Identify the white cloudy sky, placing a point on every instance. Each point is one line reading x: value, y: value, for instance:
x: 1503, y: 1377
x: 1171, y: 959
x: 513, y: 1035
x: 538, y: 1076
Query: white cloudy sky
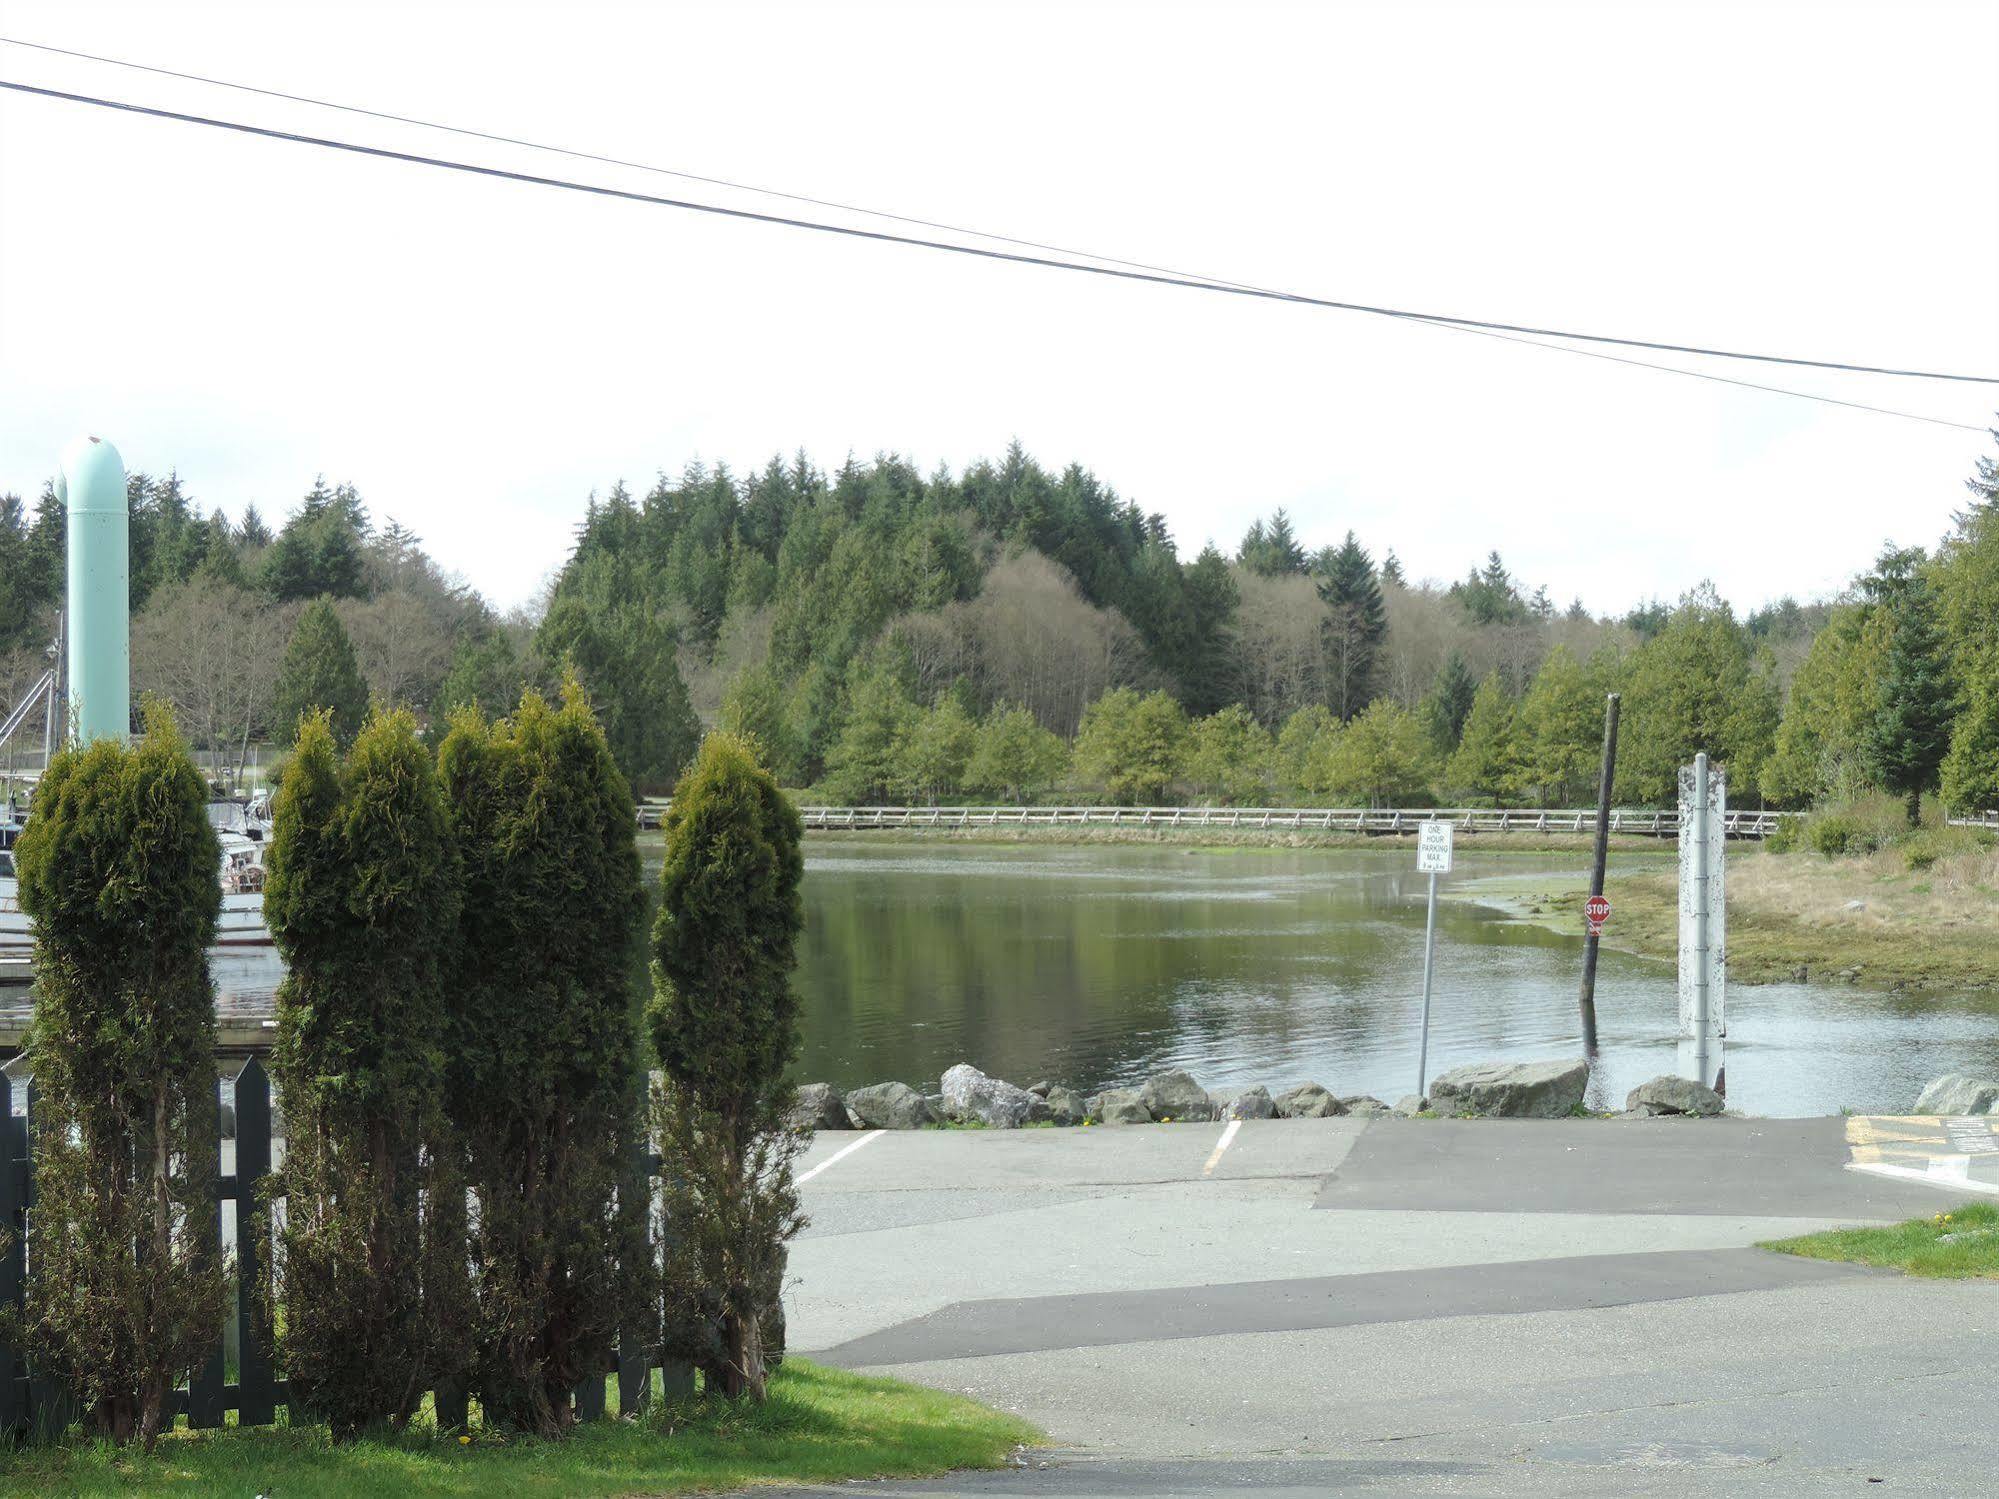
x: 1817, y: 179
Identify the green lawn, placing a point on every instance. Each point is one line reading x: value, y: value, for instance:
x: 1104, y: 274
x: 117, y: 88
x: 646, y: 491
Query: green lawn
x: 1956, y: 1245
x: 820, y: 1425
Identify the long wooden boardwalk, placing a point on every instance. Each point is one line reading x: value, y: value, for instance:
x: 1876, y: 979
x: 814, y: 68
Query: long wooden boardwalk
x: 1380, y: 821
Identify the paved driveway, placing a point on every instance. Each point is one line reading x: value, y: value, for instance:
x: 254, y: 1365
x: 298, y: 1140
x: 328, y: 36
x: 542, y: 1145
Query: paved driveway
x: 1402, y: 1306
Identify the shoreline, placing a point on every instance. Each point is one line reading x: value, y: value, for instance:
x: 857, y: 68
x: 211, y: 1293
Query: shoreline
x: 1195, y: 838
x: 1843, y: 937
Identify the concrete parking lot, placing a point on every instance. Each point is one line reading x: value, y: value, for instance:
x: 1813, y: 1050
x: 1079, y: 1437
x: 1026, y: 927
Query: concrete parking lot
x: 1406, y: 1306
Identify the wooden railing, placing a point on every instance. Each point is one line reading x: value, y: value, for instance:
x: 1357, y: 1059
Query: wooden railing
x: 1383, y: 821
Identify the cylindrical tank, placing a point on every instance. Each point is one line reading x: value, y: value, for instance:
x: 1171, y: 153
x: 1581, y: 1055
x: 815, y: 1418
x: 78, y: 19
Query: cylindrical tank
x: 91, y: 486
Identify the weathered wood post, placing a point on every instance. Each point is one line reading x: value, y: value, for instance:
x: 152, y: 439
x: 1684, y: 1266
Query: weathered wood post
x: 256, y: 1392
x: 13, y: 1253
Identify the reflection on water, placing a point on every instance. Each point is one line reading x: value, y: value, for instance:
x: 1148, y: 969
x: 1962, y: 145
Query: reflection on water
x: 1097, y: 965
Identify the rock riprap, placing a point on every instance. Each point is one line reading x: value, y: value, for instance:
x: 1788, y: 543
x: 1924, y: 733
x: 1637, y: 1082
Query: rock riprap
x: 1308, y: 1101
x: 819, y: 1106
x: 970, y: 1096
x: 1955, y: 1093
x: 1673, y: 1095
x: 1118, y: 1106
x: 1175, y: 1095
x: 1253, y: 1104
x: 1511, y: 1090
x: 1060, y: 1106
x: 889, y: 1106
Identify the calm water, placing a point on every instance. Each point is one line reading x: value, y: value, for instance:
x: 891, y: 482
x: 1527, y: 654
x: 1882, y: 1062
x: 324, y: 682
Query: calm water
x: 1099, y: 964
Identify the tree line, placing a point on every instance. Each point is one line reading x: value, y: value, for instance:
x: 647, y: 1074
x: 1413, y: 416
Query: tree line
x: 463, y: 1038
x: 1010, y: 631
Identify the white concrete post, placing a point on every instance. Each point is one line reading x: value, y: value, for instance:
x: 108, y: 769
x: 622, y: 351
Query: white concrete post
x: 1703, y: 923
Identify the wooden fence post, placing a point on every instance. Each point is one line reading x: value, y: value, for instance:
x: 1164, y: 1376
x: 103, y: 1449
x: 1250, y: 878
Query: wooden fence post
x: 256, y: 1393
x: 634, y: 1344
x: 13, y: 1259
x: 204, y: 1388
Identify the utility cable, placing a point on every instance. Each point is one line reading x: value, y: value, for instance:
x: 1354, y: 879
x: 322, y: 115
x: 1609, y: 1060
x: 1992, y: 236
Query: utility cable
x: 1501, y: 330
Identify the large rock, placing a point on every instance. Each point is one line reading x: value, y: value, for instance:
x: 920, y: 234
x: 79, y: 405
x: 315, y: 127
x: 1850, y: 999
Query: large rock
x: 1365, y: 1105
x: 1307, y: 1101
x: 1254, y: 1104
x: 1175, y: 1095
x: 1954, y: 1093
x: 819, y: 1106
x: 1118, y: 1106
x: 970, y: 1095
x: 1511, y: 1090
x: 1673, y: 1095
x: 1063, y: 1106
x: 890, y: 1106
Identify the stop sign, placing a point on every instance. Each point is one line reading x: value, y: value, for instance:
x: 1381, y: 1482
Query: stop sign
x: 1597, y: 910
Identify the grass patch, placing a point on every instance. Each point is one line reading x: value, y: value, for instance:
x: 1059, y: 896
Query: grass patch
x: 819, y: 1426
x: 1958, y: 1245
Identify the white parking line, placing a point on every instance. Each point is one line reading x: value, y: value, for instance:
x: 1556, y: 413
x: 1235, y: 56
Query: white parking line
x: 842, y: 1153
x: 1221, y: 1145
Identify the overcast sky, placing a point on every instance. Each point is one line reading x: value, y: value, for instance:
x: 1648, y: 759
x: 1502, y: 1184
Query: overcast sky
x: 477, y: 356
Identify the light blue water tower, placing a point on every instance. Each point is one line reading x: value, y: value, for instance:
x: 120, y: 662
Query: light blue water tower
x: 91, y: 486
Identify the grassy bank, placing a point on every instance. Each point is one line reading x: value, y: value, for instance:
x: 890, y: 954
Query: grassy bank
x: 1920, y: 915
x: 1958, y: 1245
x: 819, y: 1426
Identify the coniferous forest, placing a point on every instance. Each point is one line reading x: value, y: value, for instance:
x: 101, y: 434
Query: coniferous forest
x: 1012, y: 632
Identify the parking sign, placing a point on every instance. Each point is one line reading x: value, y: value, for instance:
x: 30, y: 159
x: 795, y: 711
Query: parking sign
x: 1433, y: 848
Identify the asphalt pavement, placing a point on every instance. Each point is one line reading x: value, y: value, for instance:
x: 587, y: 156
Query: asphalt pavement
x: 1402, y: 1306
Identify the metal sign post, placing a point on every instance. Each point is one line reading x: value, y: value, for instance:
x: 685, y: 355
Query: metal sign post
x: 1433, y: 857
x: 1703, y: 924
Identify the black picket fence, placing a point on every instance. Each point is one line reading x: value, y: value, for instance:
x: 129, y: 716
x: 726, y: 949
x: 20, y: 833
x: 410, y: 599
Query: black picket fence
x: 32, y: 1403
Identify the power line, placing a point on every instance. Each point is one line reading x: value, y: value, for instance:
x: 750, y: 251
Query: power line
x: 1501, y: 330
x: 1031, y: 244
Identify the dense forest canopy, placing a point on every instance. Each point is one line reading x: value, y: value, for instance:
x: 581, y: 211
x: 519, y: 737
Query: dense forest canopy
x: 1010, y: 631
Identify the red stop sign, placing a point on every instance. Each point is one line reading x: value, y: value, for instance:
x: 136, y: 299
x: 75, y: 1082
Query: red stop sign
x: 1597, y: 910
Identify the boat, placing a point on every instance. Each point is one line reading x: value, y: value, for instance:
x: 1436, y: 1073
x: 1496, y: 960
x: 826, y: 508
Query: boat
x: 240, y: 831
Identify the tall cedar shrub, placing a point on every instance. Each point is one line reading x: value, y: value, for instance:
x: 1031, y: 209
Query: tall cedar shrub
x: 545, y: 1084
x: 363, y: 899
x: 724, y: 1024
x: 118, y: 868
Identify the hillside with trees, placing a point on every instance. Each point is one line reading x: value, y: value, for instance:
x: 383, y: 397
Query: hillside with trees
x: 1013, y: 632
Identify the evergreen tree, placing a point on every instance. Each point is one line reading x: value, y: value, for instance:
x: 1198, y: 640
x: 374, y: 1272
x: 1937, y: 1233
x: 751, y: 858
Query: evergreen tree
x: 485, y: 674
x: 624, y: 651
x: 1983, y: 484
x: 1487, y: 762
x: 1449, y: 702
x: 1915, y: 701
x: 117, y: 870
x: 1819, y: 749
x: 1304, y: 749
x: 1489, y: 596
x: 251, y: 532
x: 1228, y: 755
x: 757, y: 707
x: 363, y: 900
x: 1391, y: 570
x: 865, y: 766
x: 1015, y: 757
x: 1381, y: 759
x: 1695, y: 687
x: 1970, y: 772
x: 724, y: 1023
x: 1134, y: 746
x: 544, y: 1083
x: 1356, y: 625
x: 1560, y: 729
x: 938, y: 749
x: 319, y: 672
